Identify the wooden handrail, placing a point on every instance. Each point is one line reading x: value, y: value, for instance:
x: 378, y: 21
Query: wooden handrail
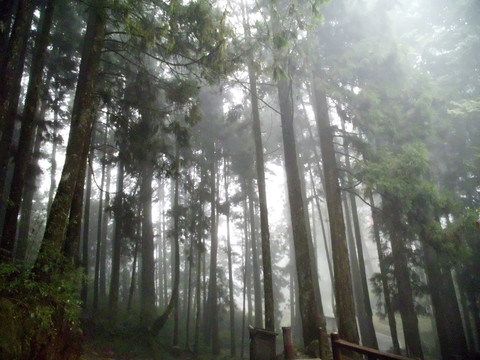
x: 338, y: 344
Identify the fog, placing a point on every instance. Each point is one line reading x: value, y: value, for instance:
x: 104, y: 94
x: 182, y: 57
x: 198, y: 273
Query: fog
x: 173, y: 173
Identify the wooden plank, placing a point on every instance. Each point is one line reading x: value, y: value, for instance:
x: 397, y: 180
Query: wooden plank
x: 338, y: 344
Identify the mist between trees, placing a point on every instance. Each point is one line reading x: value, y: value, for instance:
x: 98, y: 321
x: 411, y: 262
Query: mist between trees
x: 172, y: 172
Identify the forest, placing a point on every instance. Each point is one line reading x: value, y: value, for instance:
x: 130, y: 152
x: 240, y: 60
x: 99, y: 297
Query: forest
x: 173, y: 172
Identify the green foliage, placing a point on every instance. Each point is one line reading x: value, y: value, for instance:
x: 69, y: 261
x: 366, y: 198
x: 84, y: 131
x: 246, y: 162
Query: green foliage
x: 463, y: 236
x: 38, y: 319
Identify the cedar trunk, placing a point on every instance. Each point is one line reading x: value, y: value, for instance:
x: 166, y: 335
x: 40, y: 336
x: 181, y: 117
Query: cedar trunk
x: 79, y: 134
x: 347, y: 324
x: 117, y: 239
x: 23, y: 154
x: 308, y: 307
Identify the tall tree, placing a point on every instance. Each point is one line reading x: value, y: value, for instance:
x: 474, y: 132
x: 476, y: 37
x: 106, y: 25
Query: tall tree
x: 347, y: 325
x: 10, y: 86
x: 262, y: 196
x: 24, y: 149
x: 308, y: 308
x: 80, y: 130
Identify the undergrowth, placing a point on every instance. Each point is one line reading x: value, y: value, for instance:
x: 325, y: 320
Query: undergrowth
x: 39, y: 320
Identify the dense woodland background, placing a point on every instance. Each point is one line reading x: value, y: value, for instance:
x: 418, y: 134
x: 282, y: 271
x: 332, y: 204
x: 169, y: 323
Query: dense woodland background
x: 174, y: 171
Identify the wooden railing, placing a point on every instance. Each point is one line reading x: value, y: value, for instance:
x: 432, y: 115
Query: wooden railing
x: 339, y: 344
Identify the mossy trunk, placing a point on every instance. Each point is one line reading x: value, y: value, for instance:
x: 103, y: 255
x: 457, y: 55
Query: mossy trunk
x: 57, y: 222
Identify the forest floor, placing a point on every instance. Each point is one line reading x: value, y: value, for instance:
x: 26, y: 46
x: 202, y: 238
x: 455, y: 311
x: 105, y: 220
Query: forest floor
x: 104, y: 342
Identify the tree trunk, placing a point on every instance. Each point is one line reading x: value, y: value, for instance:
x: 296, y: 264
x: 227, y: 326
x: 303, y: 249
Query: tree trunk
x: 10, y: 87
x: 198, y: 290
x: 103, y: 247
x: 7, y: 9
x: 262, y: 196
x: 369, y: 337
x: 256, y: 268
x: 311, y: 251
x: 117, y: 239
x: 405, y: 294
x: 148, y: 265
x: 162, y: 319
x: 212, y: 317
x: 366, y: 336
x: 383, y: 274
x: 134, y: 268
x: 96, y: 282
x: 308, y: 308
x: 189, y: 292
x: 245, y: 255
x: 71, y: 247
x: 86, y: 230
x: 343, y: 282
x: 230, y: 270
x: 53, y: 161
x: 24, y: 240
x: 79, y: 134
x: 23, y: 153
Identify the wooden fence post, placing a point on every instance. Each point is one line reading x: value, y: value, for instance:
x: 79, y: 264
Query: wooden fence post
x: 287, y: 343
x: 337, y: 355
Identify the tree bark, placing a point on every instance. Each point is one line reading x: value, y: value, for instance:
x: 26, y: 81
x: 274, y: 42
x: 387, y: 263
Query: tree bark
x: 262, y: 195
x: 12, y: 69
x: 212, y: 301
x: 311, y: 250
x: 369, y: 337
x: 257, y: 288
x: 7, y: 9
x: 117, y: 239
x: 450, y: 332
x: 383, y: 275
x: 10, y: 86
x: 54, y: 236
x: 366, y: 336
x: 29, y: 189
x: 86, y: 230
x: 343, y: 282
x: 230, y: 270
x: 405, y: 294
x: 105, y: 216
x: 162, y: 319
x: 96, y: 281
x: 29, y: 118
x: 148, y: 265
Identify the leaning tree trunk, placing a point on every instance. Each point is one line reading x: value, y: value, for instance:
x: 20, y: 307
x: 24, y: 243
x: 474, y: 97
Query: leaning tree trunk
x: 347, y: 325
x: 54, y: 236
